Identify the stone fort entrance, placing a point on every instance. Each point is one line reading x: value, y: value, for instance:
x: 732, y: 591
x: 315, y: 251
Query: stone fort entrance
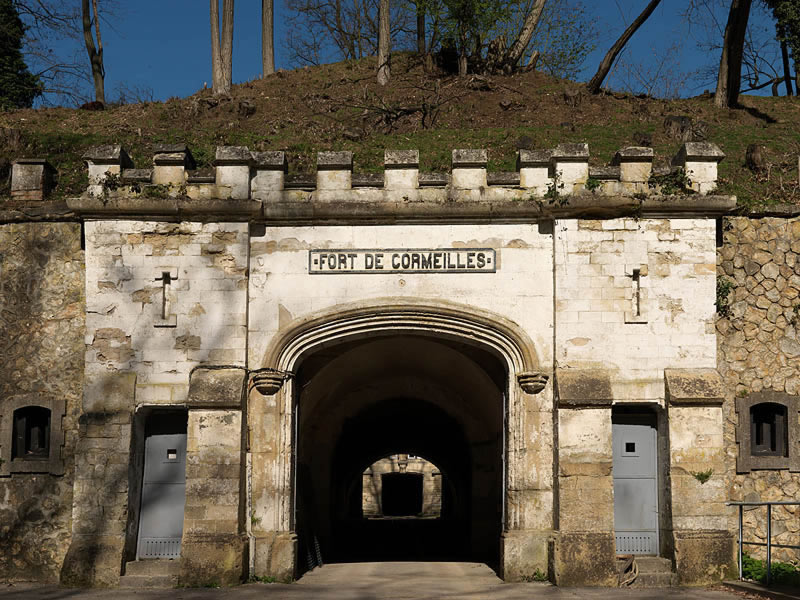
x: 363, y: 383
x: 426, y: 396
x: 308, y: 332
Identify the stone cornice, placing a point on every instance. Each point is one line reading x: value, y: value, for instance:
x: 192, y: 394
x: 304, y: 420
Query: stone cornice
x: 371, y: 205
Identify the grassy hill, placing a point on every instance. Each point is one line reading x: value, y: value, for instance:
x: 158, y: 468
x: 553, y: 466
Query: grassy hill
x: 339, y: 106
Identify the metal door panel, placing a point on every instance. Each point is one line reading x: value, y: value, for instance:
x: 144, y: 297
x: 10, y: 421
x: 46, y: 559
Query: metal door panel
x: 635, y: 488
x: 163, y: 496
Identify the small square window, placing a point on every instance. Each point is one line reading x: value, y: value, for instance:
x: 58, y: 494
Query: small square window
x: 768, y: 429
x: 31, y: 438
x: 768, y: 432
x: 630, y: 446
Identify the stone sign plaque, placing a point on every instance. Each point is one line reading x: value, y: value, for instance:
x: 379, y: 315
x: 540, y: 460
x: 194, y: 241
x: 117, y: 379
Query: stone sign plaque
x: 402, y: 260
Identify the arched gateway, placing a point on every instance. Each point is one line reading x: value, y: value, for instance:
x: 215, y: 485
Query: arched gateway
x: 344, y: 388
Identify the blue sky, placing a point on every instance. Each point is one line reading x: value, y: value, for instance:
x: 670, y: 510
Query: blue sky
x: 165, y: 45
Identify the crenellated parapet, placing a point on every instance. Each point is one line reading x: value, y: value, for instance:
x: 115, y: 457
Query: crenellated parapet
x: 546, y: 183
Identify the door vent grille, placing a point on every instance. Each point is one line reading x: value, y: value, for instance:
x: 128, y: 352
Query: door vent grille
x: 636, y: 543
x: 160, y: 548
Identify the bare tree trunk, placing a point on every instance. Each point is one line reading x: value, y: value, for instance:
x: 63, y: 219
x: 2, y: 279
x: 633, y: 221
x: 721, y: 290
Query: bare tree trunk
x: 797, y: 76
x: 596, y: 82
x: 730, y: 64
x: 787, y: 74
x: 420, y: 28
x: 95, y: 52
x: 517, y: 49
x: 222, y: 47
x: 462, y: 54
x: 384, y: 42
x: 267, y: 44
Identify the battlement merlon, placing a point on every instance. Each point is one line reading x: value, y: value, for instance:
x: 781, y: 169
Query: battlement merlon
x: 547, y: 183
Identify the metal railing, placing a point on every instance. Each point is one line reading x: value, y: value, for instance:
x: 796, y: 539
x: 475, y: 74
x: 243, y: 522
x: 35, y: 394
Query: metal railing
x: 768, y: 543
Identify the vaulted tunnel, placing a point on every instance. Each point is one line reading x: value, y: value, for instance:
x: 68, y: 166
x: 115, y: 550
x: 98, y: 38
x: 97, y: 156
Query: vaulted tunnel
x: 363, y: 400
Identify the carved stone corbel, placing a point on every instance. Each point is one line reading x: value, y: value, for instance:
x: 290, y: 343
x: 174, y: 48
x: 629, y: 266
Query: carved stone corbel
x: 268, y: 383
x: 532, y: 382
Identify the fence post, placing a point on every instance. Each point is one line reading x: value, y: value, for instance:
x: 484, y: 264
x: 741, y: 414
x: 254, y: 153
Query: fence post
x: 769, y: 543
x: 741, y: 533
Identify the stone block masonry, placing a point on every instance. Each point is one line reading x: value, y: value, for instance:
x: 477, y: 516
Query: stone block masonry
x: 199, y: 296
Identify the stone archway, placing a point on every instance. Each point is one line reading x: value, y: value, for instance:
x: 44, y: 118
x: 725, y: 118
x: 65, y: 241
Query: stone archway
x: 494, y: 357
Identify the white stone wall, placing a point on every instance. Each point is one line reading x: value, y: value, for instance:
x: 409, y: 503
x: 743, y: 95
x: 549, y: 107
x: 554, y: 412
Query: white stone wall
x: 207, y: 308
x: 595, y: 324
x: 281, y: 290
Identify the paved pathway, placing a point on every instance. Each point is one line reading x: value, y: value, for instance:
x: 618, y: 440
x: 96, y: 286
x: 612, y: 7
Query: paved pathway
x: 368, y: 581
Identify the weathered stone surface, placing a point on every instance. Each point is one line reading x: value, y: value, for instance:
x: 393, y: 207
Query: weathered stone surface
x: 586, y: 559
x: 401, y: 159
x: 216, y: 387
x: 276, y: 555
x: 524, y: 554
x: 110, y: 393
x: 93, y: 561
x: 233, y: 155
x: 694, y: 386
x: 212, y: 560
x: 470, y: 159
x: 335, y: 161
x: 758, y: 359
x: 704, y: 557
x: 584, y: 387
x: 41, y: 328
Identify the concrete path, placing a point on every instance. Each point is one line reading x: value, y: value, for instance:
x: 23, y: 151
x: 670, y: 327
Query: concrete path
x: 368, y: 581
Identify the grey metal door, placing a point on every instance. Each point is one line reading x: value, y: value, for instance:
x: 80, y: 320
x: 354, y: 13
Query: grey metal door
x: 163, y: 496
x: 635, y: 488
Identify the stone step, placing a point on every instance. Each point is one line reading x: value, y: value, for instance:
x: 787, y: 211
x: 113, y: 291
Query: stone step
x: 150, y: 574
x: 653, y: 564
x: 655, y: 580
x: 148, y: 581
x: 153, y: 567
x: 654, y: 571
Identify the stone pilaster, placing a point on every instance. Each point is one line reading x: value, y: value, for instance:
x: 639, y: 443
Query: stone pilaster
x: 214, y: 547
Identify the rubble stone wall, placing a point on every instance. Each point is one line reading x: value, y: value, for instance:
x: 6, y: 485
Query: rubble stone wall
x: 759, y: 350
x: 41, y: 363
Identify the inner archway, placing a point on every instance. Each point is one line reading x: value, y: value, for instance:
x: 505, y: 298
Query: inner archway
x: 362, y: 400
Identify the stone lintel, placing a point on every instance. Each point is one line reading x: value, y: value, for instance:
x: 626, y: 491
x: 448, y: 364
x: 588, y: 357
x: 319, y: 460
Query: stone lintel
x: 699, y: 152
x: 633, y: 154
x: 335, y: 161
x: 533, y: 158
x: 401, y: 159
x: 584, y: 388
x: 232, y: 156
x: 470, y: 159
x: 271, y: 160
x: 108, y: 154
x: 694, y: 386
x: 216, y: 388
x: 571, y: 153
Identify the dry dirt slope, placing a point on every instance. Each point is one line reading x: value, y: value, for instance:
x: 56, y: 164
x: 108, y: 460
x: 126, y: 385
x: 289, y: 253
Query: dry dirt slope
x: 339, y: 106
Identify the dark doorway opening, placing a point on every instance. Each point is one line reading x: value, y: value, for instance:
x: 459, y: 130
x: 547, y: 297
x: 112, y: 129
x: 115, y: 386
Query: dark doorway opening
x: 360, y: 402
x: 401, y: 495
